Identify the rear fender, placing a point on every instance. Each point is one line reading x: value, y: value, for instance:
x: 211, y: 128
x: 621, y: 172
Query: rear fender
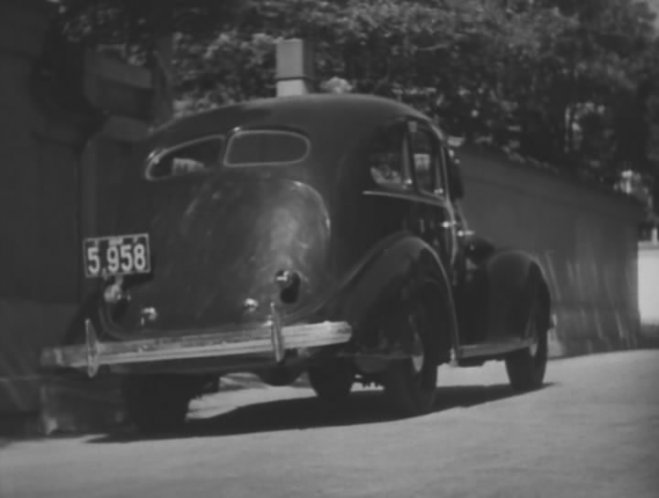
x: 399, y: 267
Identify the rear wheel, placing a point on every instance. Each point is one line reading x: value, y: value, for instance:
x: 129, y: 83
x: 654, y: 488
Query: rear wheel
x: 526, y: 367
x: 280, y: 376
x: 410, y: 384
x: 158, y: 404
x: 332, y: 380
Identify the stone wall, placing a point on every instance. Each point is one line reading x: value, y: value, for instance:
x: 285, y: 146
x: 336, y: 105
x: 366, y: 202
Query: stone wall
x: 585, y: 237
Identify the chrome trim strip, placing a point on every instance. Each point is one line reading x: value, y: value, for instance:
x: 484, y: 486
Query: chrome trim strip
x: 92, y: 348
x: 259, y: 339
x: 276, y: 336
x: 410, y: 196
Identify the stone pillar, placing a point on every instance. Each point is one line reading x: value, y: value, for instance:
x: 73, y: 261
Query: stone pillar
x: 294, y: 73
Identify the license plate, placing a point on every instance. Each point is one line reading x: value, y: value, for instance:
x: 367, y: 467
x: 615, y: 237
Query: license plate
x: 117, y: 255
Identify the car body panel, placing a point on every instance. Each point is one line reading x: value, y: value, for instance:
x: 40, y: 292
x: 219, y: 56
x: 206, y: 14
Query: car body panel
x: 217, y: 250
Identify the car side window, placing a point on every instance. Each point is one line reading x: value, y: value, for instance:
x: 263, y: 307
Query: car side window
x: 386, y: 158
x: 421, y: 148
x: 426, y: 159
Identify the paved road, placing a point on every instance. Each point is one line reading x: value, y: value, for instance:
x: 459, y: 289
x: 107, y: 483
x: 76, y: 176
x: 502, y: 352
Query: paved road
x: 593, y: 431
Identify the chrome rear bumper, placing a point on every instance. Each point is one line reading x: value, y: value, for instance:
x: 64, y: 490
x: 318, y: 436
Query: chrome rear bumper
x: 270, y: 337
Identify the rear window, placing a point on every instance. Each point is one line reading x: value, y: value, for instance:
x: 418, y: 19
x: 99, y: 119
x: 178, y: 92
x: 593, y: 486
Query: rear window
x: 194, y: 156
x: 266, y: 147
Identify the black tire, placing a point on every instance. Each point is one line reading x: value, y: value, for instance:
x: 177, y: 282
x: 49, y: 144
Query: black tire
x: 280, y: 376
x: 158, y: 404
x: 332, y: 380
x: 411, y: 384
x: 526, y: 367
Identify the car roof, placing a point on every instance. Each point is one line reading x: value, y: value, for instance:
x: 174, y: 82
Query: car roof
x: 323, y: 115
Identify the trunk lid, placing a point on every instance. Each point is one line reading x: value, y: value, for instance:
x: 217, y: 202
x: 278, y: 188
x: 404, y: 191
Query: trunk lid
x: 218, y: 242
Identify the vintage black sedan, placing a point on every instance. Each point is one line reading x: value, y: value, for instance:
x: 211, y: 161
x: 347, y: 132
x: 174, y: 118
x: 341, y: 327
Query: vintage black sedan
x: 316, y: 233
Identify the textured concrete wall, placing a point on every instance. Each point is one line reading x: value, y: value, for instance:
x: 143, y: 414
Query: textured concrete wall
x: 585, y: 238
x: 648, y: 282
x: 25, y: 328
x: 57, y: 166
x: 39, y: 199
x: 39, y: 168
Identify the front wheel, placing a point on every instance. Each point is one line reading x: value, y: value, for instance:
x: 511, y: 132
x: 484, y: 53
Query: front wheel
x: 410, y: 384
x: 526, y: 367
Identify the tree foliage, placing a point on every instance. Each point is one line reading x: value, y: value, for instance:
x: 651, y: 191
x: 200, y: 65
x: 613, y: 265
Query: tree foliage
x: 568, y: 82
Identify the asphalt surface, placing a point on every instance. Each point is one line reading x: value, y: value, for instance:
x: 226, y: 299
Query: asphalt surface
x: 592, y: 431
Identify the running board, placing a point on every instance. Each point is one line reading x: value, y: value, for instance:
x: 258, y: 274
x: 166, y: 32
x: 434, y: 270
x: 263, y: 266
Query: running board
x: 492, y: 348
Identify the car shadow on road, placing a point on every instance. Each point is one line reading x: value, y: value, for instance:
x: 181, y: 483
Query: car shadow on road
x: 363, y: 407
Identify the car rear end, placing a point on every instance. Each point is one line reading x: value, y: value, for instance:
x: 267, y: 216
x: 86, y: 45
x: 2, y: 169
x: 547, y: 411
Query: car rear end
x: 219, y: 259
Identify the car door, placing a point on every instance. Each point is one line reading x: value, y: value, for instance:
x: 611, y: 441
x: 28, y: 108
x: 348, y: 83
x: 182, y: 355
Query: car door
x: 433, y: 218
x: 390, y: 191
